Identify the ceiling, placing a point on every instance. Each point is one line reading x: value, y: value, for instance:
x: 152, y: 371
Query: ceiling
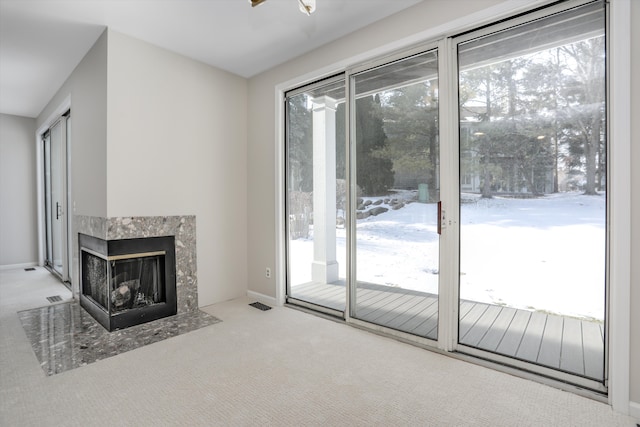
x: 42, y: 41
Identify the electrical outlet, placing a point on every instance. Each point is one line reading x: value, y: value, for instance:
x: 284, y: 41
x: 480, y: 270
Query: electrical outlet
x: 267, y: 273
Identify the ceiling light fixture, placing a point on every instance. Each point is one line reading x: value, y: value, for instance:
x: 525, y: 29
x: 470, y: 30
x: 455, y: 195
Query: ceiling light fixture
x: 306, y: 6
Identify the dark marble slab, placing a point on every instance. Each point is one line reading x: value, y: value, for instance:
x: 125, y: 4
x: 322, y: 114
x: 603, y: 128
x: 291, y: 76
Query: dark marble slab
x: 64, y: 336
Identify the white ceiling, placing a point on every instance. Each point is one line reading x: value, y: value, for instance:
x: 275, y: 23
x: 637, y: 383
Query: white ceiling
x: 41, y: 41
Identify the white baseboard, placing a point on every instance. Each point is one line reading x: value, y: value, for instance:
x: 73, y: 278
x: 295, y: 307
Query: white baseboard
x: 265, y: 299
x: 634, y: 410
x: 18, y: 266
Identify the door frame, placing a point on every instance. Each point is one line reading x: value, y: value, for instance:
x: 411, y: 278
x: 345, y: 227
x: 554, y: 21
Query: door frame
x: 67, y: 275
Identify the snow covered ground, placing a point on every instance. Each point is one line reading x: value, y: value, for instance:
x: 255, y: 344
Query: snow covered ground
x: 542, y: 254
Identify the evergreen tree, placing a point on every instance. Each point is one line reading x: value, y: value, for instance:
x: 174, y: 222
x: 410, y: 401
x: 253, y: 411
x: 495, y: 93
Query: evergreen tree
x: 374, y: 171
x: 411, y: 123
x: 300, y: 145
x: 510, y: 143
x: 299, y: 167
x: 341, y: 153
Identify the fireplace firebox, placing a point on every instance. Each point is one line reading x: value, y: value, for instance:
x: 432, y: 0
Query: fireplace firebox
x: 129, y: 281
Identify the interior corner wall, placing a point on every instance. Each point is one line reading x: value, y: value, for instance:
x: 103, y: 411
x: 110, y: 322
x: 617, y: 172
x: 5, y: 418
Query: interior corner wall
x: 177, y: 145
x: 18, y: 219
x: 406, y: 27
x: 87, y: 89
x: 634, y: 377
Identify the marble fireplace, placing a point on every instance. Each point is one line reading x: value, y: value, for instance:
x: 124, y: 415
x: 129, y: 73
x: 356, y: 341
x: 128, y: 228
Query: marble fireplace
x: 133, y: 270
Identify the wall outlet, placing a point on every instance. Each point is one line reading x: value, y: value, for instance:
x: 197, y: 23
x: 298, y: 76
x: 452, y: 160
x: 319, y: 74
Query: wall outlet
x: 267, y: 273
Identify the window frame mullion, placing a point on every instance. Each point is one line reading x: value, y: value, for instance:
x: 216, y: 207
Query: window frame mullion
x: 449, y: 185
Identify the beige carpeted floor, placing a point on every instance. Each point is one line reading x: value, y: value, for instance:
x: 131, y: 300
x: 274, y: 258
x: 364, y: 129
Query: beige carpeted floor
x: 278, y: 367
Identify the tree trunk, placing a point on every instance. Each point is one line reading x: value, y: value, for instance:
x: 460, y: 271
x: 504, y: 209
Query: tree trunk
x: 590, y: 153
x: 486, y: 185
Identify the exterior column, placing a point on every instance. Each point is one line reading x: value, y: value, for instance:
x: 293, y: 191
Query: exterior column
x: 325, y: 267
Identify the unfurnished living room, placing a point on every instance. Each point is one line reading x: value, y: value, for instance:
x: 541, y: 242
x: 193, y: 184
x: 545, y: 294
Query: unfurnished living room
x: 319, y: 212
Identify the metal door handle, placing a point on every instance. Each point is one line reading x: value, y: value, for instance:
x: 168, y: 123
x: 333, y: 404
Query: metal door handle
x: 58, y: 210
x: 439, y: 217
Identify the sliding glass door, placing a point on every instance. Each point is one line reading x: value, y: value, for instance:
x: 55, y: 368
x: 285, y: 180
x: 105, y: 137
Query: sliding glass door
x: 55, y: 186
x: 316, y: 195
x: 397, y: 189
x: 533, y: 191
x: 456, y: 194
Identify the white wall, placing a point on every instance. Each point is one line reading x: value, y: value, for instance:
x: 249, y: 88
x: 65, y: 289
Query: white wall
x: 177, y: 145
x: 18, y: 220
x: 635, y: 207
x: 87, y: 88
x: 423, y: 21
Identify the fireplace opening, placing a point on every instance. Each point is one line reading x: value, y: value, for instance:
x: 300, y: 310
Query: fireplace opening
x: 127, y: 282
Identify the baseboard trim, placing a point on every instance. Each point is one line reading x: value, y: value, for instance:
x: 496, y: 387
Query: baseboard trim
x: 17, y: 266
x: 265, y: 299
x: 634, y: 410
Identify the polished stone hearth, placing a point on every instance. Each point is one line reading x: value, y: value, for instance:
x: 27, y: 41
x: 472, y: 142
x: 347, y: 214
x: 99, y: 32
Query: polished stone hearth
x: 64, y: 336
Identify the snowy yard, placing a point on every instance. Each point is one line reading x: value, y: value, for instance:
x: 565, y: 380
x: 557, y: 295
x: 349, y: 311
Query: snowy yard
x: 544, y: 254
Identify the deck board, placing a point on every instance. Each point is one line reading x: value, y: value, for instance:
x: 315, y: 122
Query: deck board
x: 375, y: 298
x: 363, y: 295
x: 593, y: 345
x: 571, y: 358
x: 326, y: 295
x: 415, y: 312
x: 469, y: 320
x: 426, y: 313
x: 428, y: 328
x: 569, y: 344
x: 515, y: 332
x: 406, y: 311
x: 375, y: 309
x: 390, y: 309
x: 309, y: 290
x: 480, y: 328
x: 313, y: 293
x: 530, y: 344
x: 551, y: 345
x: 498, y: 330
x: 465, y: 307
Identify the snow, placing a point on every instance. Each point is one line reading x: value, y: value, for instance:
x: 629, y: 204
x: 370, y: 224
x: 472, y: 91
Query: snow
x: 544, y: 253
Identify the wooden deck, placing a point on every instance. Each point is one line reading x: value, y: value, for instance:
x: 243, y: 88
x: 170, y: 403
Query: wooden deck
x: 564, y: 343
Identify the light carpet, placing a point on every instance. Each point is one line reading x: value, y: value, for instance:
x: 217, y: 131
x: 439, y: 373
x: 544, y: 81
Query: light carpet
x: 275, y: 367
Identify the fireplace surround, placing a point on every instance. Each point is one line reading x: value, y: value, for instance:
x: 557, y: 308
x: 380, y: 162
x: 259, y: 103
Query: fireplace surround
x: 127, y: 282
x: 181, y: 227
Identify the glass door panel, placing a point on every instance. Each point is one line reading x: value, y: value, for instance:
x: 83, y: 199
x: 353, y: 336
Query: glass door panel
x: 395, y: 118
x: 533, y: 192
x: 57, y: 171
x: 69, y: 246
x: 316, y: 195
x: 46, y: 141
x: 55, y: 197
